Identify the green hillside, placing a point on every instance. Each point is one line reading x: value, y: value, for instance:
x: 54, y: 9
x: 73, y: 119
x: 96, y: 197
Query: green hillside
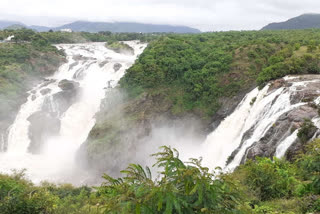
x: 305, y: 21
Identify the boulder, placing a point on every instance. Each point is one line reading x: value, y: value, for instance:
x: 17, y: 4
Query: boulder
x: 45, y: 91
x: 42, y: 126
x: 117, y: 67
x: 68, y: 85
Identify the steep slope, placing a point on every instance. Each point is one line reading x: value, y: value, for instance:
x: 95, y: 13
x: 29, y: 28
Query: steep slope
x: 279, y: 122
x: 59, y: 112
x: 195, y: 82
x: 304, y: 21
x: 21, y: 66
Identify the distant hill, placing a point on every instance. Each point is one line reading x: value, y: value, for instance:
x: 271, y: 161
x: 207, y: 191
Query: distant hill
x: 6, y: 24
x: 304, y: 21
x: 39, y: 28
x: 117, y: 27
x: 15, y: 27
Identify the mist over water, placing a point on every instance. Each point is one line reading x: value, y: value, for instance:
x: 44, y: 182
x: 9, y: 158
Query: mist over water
x: 91, y: 70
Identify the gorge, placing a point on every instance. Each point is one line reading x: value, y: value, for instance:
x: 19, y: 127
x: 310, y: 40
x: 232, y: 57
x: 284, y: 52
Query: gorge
x: 228, y: 122
x: 53, y: 125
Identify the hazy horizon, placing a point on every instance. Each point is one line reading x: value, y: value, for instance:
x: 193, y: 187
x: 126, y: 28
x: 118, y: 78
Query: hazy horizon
x: 206, y: 15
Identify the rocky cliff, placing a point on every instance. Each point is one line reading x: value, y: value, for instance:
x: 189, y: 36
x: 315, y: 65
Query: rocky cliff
x: 13, y: 93
x: 288, y: 107
x: 296, y: 123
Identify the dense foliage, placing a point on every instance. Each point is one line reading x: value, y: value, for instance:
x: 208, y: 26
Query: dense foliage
x: 196, y: 71
x: 181, y: 188
x: 262, y: 186
x: 120, y: 47
x: 27, y: 57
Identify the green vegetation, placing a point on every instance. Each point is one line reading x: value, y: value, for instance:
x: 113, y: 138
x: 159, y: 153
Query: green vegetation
x: 57, y: 37
x: 262, y: 186
x: 307, y: 131
x: 120, y: 47
x: 78, y: 37
x: 28, y: 57
x: 181, y: 188
x: 196, y: 71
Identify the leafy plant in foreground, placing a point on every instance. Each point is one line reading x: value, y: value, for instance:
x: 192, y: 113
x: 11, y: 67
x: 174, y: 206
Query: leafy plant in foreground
x: 180, y: 188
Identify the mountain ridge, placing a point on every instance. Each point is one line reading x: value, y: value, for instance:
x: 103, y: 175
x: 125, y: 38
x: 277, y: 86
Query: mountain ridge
x: 116, y: 27
x: 304, y: 21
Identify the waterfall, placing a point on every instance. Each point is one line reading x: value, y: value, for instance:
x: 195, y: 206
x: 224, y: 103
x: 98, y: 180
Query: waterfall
x: 89, y: 72
x: 248, y: 124
x: 283, y: 147
x: 2, y: 143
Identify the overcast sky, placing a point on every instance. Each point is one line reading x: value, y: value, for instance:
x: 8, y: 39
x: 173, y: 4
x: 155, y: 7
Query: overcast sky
x: 206, y: 15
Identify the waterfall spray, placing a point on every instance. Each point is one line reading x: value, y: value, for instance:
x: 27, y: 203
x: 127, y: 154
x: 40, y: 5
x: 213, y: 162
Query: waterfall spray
x: 79, y: 85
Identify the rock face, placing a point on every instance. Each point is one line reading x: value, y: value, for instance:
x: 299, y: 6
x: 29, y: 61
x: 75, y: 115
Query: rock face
x: 117, y: 67
x: 281, y: 138
x: 68, y: 85
x: 282, y: 128
x: 124, y: 125
x: 43, y: 125
x: 46, y: 122
x: 43, y: 65
x: 124, y: 129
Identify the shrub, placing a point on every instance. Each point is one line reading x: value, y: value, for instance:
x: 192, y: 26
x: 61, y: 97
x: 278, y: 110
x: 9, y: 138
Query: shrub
x: 309, y: 163
x: 306, y: 131
x: 181, y: 188
x: 270, y: 179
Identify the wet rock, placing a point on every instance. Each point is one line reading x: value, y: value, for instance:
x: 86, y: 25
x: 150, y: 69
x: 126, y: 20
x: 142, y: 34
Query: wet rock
x: 64, y: 99
x: 45, y: 91
x: 80, y: 57
x: 277, y: 84
x: 125, y: 127
x: 68, y: 85
x: 78, y: 74
x: 73, y: 65
x: 47, y: 82
x: 303, y: 93
x: 109, y: 84
x: 102, y: 64
x: 42, y: 127
x: 281, y: 129
x: 117, y: 67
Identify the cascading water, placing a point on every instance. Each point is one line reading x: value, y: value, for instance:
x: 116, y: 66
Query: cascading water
x: 283, y: 147
x: 248, y: 124
x: 90, y: 71
x: 59, y: 114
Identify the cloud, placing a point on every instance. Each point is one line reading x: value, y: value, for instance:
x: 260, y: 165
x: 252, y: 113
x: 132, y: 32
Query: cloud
x: 207, y: 15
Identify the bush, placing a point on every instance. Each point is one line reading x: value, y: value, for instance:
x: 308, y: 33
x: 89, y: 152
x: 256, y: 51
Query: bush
x: 309, y: 163
x: 307, y: 130
x: 270, y: 179
x: 181, y: 188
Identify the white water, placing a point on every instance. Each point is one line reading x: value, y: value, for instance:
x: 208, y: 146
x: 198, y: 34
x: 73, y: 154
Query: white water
x: 283, y: 147
x: 56, y: 162
x: 2, y: 142
x: 258, y: 118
